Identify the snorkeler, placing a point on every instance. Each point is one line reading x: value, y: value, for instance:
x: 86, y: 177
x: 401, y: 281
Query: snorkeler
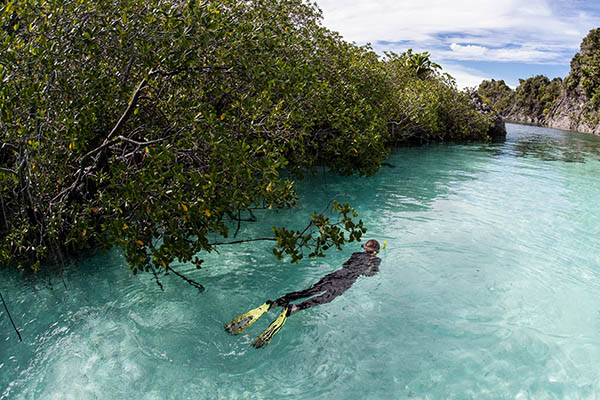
x: 327, y: 288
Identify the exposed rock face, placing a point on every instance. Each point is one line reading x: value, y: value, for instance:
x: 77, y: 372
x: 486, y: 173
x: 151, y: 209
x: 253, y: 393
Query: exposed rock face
x: 498, y: 130
x: 569, y: 111
x: 572, y: 112
x: 516, y: 115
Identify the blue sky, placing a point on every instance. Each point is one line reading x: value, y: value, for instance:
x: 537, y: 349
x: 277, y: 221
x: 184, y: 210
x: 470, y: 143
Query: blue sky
x: 472, y: 39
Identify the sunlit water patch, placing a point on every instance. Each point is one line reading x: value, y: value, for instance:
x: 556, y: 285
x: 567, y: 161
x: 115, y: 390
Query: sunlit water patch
x: 489, y: 289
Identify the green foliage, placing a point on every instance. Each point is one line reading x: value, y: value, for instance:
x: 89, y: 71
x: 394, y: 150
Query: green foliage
x: 497, y: 94
x: 585, y: 68
x: 429, y: 107
x: 420, y: 64
x: 152, y: 125
x: 320, y: 235
x: 535, y: 96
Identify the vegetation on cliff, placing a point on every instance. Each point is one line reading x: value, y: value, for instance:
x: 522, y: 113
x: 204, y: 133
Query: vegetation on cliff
x: 150, y: 124
x: 533, y: 98
x: 498, y: 94
x: 585, y: 69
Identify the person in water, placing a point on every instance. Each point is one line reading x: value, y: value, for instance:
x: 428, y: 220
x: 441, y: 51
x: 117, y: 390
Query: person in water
x: 327, y: 288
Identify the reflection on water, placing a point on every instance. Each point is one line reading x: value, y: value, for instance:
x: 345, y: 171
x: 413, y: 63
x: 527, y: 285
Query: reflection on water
x: 553, y: 145
x: 489, y: 288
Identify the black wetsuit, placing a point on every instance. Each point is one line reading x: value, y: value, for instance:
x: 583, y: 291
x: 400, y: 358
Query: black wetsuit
x: 335, y: 283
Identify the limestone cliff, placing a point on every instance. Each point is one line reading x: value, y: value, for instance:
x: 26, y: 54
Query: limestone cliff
x: 573, y: 111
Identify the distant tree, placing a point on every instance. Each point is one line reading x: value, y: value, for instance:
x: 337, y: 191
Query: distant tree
x: 420, y: 63
x: 428, y: 108
x: 498, y: 94
x: 536, y: 95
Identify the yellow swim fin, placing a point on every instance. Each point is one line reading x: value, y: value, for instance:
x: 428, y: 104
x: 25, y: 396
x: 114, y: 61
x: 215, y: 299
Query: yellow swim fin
x: 239, y: 324
x: 275, y: 326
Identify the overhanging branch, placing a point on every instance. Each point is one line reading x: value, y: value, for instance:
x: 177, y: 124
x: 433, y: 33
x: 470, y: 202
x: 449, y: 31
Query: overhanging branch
x: 243, y: 241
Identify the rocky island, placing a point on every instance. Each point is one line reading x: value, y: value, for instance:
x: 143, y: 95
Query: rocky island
x: 572, y: 103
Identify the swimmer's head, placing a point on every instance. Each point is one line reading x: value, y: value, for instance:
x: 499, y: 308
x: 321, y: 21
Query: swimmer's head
x: 372, y: 246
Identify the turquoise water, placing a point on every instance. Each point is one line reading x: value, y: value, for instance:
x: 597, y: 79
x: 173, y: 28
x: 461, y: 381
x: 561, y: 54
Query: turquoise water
x: 489, y: 289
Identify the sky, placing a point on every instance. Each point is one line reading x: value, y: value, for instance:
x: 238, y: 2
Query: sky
x: 472, y: 40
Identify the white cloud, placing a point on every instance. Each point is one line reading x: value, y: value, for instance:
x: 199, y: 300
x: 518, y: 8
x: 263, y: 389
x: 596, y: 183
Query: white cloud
x: 465, y: 77
x: 476, y: 52
x: 537, y: 31
x: 469, y: 50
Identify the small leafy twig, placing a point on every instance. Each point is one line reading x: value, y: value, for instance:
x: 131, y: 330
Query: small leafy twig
x: 293, y: 243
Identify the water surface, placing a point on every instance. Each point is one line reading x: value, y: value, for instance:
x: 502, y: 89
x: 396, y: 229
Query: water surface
x: 489, y: 289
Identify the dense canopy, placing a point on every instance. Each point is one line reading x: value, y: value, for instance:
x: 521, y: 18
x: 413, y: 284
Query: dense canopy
x: 148, y: 124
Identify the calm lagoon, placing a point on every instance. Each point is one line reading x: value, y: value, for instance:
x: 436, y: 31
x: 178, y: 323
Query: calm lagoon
x: 489, y: 289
